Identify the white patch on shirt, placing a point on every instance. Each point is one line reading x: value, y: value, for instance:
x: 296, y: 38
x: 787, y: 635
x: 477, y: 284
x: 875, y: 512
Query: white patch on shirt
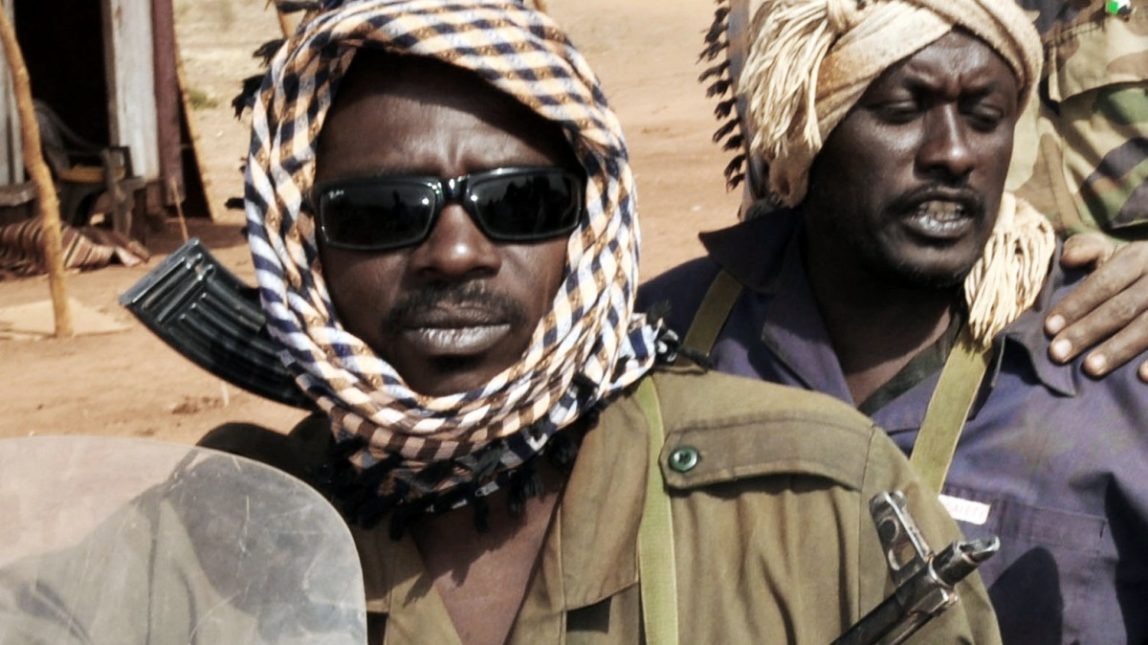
x: 966, y: 510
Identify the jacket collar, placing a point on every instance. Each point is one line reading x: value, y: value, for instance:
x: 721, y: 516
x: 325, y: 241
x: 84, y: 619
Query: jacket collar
x: 589, y: 553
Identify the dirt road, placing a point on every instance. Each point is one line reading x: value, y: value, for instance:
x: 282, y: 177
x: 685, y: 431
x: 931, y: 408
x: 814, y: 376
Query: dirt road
x: 130, y: 384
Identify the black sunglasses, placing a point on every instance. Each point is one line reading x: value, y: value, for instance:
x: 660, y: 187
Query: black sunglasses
x: 508, y: 204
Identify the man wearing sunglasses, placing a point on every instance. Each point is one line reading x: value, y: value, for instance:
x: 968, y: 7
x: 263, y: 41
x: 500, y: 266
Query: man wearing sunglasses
x: 442, y: 219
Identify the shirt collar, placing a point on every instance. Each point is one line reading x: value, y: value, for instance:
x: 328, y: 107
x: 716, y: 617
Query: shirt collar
x: 754, y: 251
x: 765, y: 255
x: 1026, y: 334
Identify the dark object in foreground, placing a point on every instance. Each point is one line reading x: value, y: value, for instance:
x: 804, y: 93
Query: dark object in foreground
x: 195, y: 305
x: 925, y: 581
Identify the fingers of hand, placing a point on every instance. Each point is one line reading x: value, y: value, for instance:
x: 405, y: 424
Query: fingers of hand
x: 1129, y: 340
x: 1126, y: 272
x: 1084, y: 249
x: 1126, y: 313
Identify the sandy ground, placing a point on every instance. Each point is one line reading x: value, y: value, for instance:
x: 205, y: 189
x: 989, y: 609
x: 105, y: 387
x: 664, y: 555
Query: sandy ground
x: 131, y: 384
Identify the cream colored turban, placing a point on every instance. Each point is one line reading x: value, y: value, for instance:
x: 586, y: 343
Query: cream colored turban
x: 809, y: 63
x: 811, y: 60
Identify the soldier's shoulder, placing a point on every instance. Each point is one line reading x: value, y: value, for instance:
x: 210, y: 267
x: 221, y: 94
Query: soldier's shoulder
x: 742, y: 427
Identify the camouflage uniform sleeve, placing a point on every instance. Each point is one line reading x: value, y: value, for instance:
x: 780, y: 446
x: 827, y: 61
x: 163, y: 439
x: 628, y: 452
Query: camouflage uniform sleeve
x: 1081, y: 151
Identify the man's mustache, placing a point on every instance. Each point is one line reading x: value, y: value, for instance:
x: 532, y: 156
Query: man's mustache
x: 416, y: 308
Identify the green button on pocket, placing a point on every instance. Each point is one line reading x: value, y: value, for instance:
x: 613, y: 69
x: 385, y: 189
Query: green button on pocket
x: 684, y: 459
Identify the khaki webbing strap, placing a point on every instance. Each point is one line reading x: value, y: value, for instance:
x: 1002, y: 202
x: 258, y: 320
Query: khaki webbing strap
x: 948, y: 408
x: 658, y: 573
x: 712, y: 313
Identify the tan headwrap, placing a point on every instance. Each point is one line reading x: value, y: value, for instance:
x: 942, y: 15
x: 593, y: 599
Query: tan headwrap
x: 809, y: 63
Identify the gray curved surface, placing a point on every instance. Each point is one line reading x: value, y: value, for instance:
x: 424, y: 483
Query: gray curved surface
x: 131, y: 541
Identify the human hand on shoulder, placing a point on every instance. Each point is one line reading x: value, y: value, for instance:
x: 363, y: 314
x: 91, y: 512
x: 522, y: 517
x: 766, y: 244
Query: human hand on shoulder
x: 1110, y: 307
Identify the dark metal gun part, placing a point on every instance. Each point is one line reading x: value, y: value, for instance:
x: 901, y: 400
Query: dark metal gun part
x: 202, y: 310
x: 925, y: 581
x: 906, y: 551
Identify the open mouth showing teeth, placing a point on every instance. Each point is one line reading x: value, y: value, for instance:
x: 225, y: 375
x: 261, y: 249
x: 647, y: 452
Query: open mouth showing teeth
x: 938, y: 218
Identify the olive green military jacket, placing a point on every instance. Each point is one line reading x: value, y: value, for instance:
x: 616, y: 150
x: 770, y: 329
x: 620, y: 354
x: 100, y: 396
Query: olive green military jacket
x: 1081, y: 150
x: 772, y: 534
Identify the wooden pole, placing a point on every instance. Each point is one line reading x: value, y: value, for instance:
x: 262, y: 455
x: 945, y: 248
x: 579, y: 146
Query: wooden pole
x: 173, y: 189
x: 49, y: 203
x: 167, y: 100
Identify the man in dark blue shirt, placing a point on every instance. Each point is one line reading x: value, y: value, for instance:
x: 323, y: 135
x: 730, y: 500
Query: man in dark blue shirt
x: 897, y: 254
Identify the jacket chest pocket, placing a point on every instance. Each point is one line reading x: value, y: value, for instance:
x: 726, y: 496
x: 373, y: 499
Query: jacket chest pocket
x: 1044, y: 580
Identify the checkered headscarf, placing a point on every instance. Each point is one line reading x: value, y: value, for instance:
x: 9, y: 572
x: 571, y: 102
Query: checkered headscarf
x: 420, y: 448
